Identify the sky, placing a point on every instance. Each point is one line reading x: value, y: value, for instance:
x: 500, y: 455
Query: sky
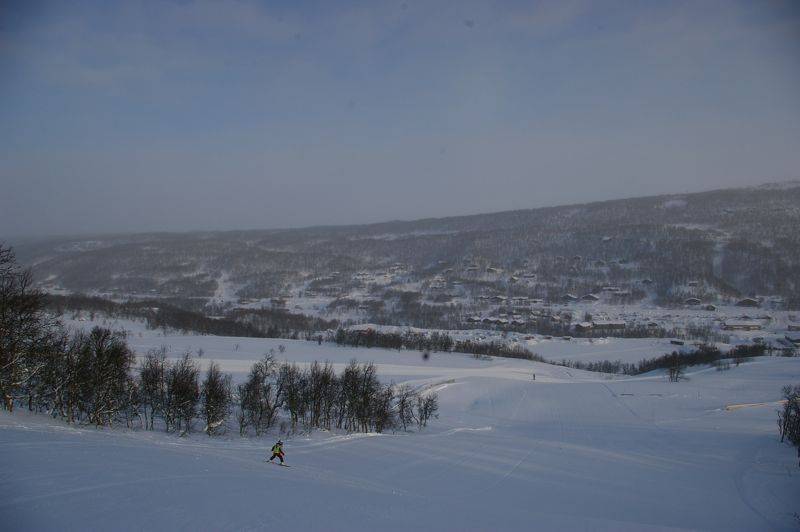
x: 203, y: 115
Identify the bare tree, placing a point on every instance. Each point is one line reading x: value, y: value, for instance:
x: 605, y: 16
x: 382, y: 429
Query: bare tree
x: 789, y: 416
x: 25, y: 330
x: 257, y: 397
x: 427, y: 408
x: 216, y: 394
x: 405, y: 402
x: 676, y: 367
x: 106, y: 369
x: 153, y: 385
x: 183, y: 394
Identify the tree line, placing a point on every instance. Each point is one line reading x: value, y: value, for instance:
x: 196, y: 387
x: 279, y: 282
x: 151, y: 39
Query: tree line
x: 674, y: 362
x: 316, y: 397
x: 174, y: 314
x: 435, y: 341
x: 157, y: 314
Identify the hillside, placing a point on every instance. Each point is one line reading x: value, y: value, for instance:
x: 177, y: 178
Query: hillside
x: 716, y: 246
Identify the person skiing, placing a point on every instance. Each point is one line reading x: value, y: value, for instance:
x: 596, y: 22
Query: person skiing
x: 277, y: 450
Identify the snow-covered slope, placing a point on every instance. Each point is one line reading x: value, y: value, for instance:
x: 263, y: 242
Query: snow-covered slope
x: 570, y: 450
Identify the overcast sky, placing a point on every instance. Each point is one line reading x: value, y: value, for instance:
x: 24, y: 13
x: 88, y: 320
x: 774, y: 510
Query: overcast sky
x: 139, y: 116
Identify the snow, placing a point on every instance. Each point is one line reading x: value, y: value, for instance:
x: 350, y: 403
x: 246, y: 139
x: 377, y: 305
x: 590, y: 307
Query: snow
x: 674, y: 204
x: 570, y: 450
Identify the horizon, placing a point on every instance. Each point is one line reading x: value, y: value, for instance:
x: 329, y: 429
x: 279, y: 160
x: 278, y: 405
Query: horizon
x: 57, y: 236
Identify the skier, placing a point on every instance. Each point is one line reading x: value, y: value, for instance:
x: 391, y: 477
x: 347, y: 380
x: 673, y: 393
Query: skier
x: 277, y: 450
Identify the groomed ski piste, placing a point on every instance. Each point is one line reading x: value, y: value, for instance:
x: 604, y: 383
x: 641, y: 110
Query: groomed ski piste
x: 571, y: 450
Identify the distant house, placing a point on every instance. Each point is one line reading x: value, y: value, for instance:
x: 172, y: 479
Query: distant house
x: 793, y: 326
x: 741, y: 326
x: 609, y: 325
x: 748, y: 302
x: 590, y: 297
x: 692, y: 301
x: 570, y: 297
x: 647, y: 281
x: 710, y: 307
x: 583, y: 326
x: 793, y: 338
x: 693, y: 283
x: 611, y: 289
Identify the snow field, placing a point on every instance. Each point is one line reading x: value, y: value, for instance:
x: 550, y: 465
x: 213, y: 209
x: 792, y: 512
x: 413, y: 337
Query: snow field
x: 571, y: 450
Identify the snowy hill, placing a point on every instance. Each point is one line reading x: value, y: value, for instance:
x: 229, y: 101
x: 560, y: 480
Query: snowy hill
x: 725, y: 242
x: 569, y: 451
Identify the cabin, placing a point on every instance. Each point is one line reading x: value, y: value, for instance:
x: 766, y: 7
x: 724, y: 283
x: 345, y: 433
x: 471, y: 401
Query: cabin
x: 741, y: 326
x: 793, y: 326
x: 712, y: 308
x: 748, y: 302
x: 570, y: 297
x: 647, y: 281
x: 692, y: 301
x: 583, y: 326
x: 590, y: 297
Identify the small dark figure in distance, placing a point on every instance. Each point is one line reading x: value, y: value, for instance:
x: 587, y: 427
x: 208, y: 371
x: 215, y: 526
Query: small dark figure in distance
x: 277, y: 451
